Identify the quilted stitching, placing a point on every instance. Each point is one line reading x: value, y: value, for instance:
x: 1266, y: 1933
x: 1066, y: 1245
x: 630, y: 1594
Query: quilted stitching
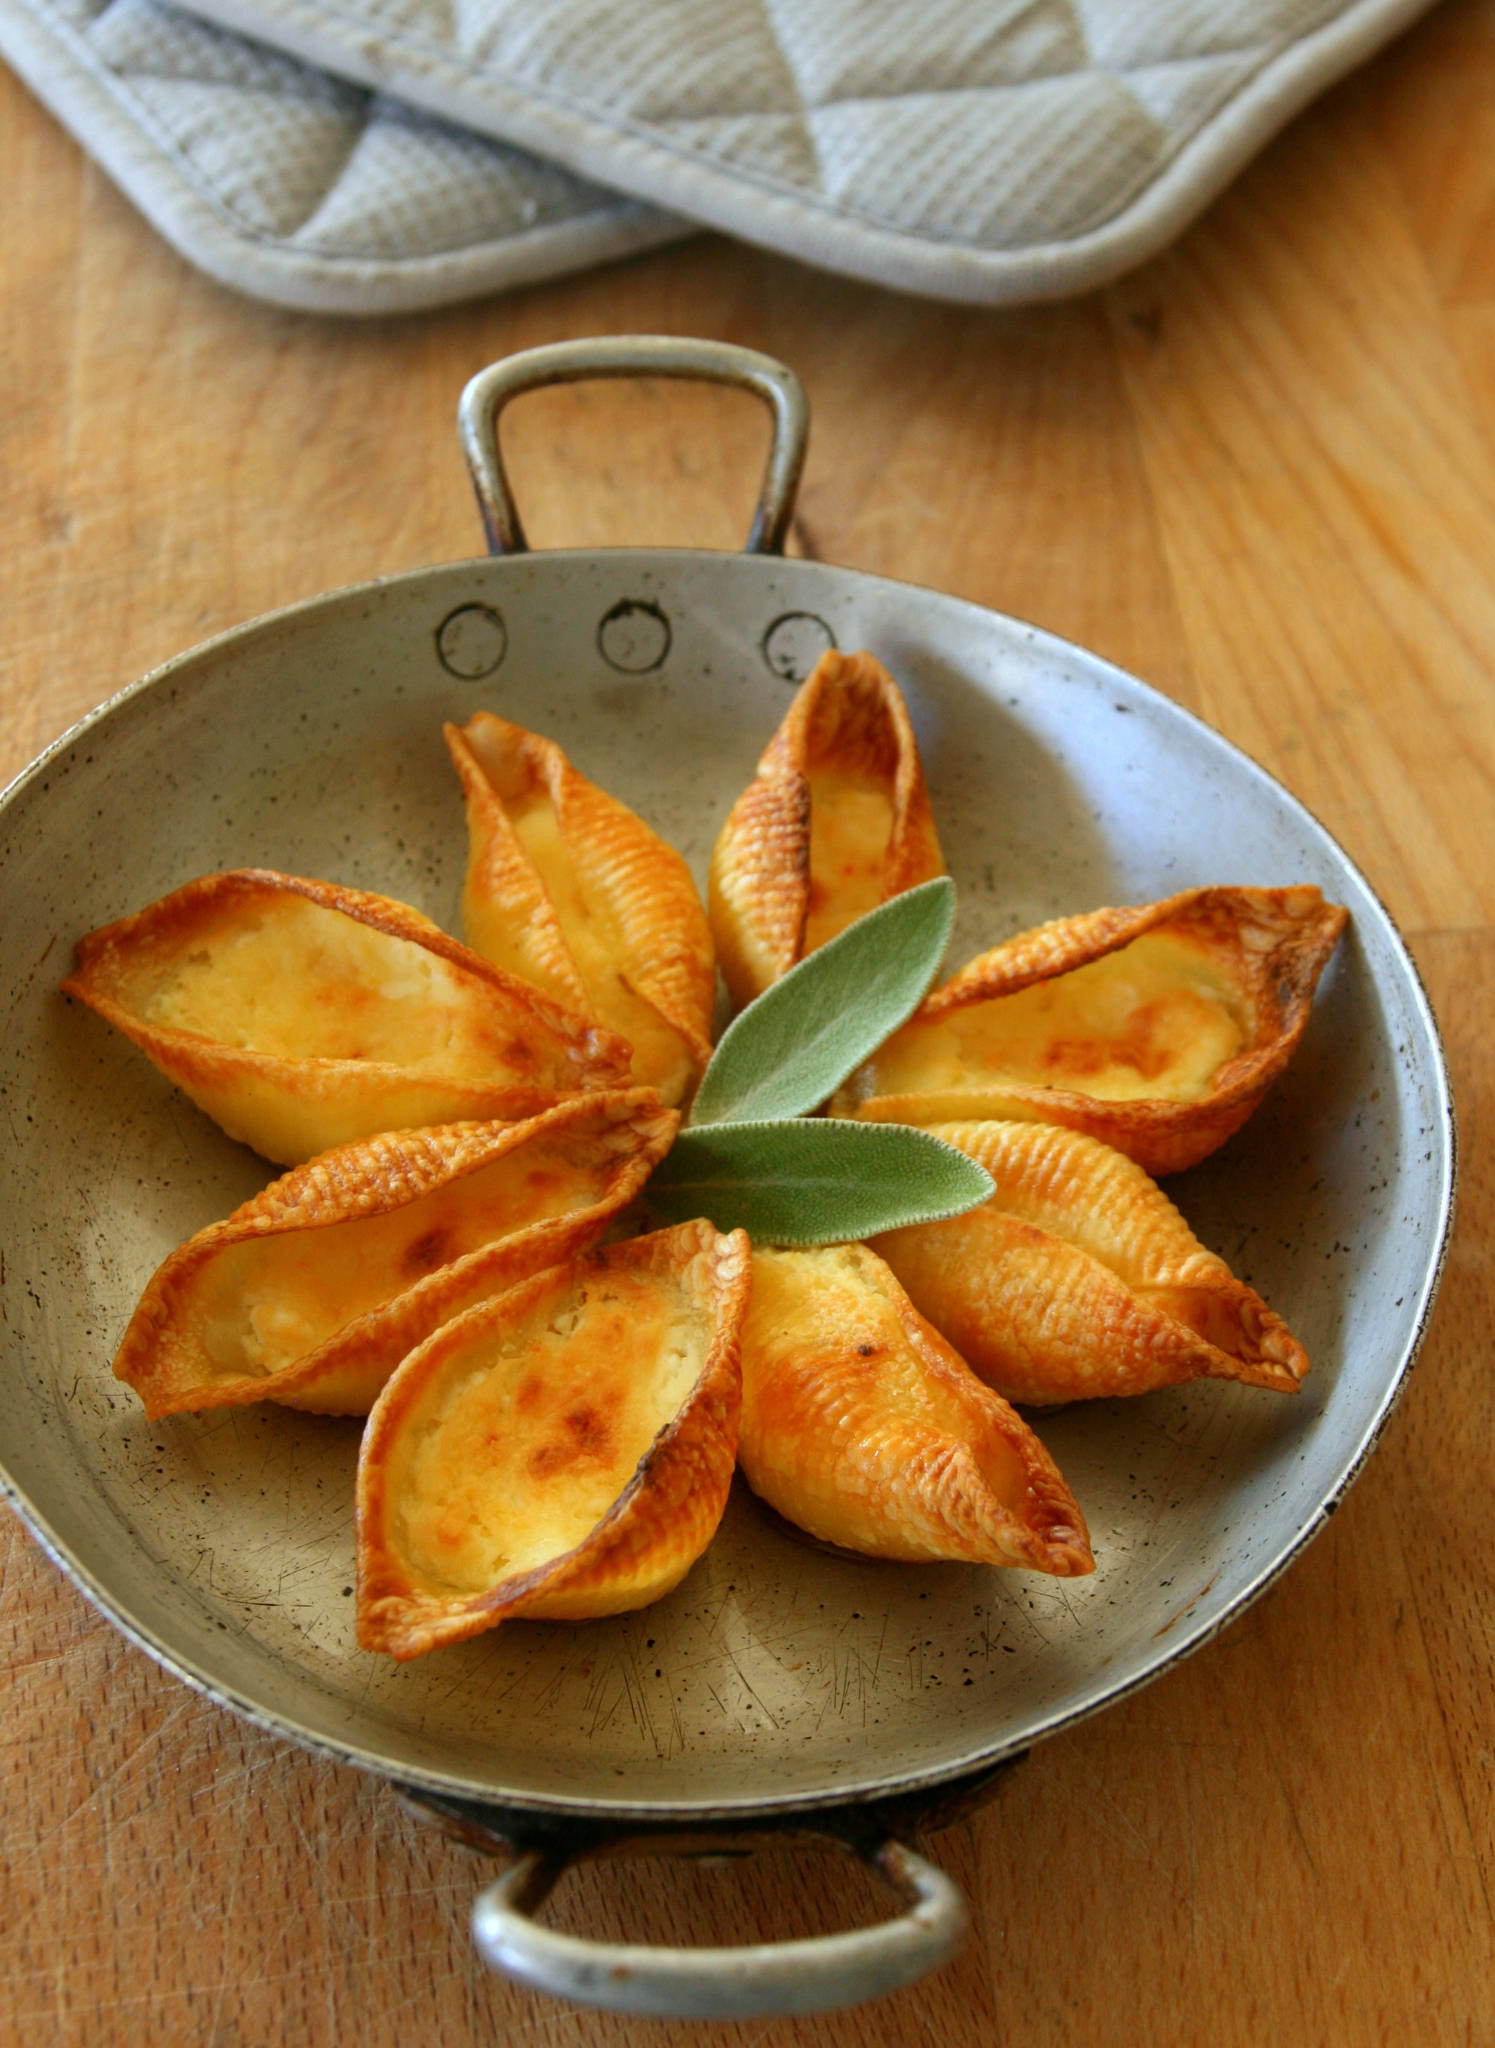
x: 311, y: 172
x: 882, y: 49
x: 414, y: 187
x: 284, y: 148
x: 668, y: 60
x: 993, y: 125
x: 985, y: 149
x: 1165, y: 31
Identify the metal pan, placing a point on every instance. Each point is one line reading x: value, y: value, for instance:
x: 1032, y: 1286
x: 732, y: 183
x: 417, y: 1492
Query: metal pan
x: 779, y: 1687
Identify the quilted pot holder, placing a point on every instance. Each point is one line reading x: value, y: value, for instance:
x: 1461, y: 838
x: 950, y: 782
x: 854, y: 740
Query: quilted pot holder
x: 978, y: 150
x: 297, y: 187
x: 994, y: 150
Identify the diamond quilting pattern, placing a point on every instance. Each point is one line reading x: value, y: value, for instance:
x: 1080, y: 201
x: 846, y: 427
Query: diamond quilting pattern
x: 380, y: 205
x: 137, y: 39
x: 977, y: 149
x: 271, y: 156
x: 280, y: 145
x: 1169, y: 31
x: 297, y: 185
x: 999, y: 125
x: 667, y: 60
x: 881, y: 49
x: 887, y: 159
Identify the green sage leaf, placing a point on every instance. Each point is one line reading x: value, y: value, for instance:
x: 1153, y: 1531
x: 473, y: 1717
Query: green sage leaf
x: 817, y: 1180
x: 789, y: 1050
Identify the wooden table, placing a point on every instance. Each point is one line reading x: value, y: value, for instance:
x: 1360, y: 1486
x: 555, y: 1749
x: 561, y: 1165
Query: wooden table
x: 1259, y: 472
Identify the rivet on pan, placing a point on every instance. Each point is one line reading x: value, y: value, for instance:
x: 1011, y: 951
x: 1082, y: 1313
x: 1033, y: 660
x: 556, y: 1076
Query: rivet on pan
x: 794, y: 643
x: 634, y: 636
x: 472, y: 641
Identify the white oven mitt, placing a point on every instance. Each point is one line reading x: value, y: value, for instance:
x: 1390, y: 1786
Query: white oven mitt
x: 296, y: 187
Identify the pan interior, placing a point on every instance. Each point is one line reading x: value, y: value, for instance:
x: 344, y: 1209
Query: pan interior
x: 776, y: 1673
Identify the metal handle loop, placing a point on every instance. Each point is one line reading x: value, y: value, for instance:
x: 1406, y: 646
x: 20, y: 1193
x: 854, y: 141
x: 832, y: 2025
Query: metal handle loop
x: 634, y: 355
x: 772, y: 1980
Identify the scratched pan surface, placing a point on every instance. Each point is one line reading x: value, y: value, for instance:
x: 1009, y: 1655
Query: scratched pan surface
x: 776, y: 1677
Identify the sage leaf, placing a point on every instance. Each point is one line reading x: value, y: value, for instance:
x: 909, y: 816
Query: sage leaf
x: 792, y: 1047
x: 803, y: 1180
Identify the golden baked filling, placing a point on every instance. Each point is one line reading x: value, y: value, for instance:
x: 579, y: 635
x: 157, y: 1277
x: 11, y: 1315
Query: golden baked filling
x: 1157, y: 1029
x: 311, y: 1293
x: 568, y: 889
x: 561, y: 1452
x: 851, y: 825
x: 301, y: 1015
x: 304, y: 981
x: 1152, y: 1019
x: 1080, y: 1279
x: 862, y: 1426
x: 835, y: 822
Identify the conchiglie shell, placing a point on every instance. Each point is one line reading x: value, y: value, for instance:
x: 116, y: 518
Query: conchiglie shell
x: 862, y: 1426
x: 1158, y: 1029
x: 313, y: 1292
x: 1080, y: 1279
x: 301, y: 1015
x: 562, y: 1452
x: 569, y: 890
x: 835, y: 822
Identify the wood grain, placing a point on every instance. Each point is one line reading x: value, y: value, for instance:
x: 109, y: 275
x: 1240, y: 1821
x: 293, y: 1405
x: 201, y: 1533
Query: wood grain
x: 1261, y: 473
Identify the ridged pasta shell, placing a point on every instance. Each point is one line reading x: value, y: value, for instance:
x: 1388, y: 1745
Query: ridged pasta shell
x: 569, y: 890
x: 301, y: 1015
x: 1079, y: 1278
x: 1156, y: 1029
x: 313, y: 1292
x: 835, y: 822
x: 562, y: 1452
x: 862, y: 1426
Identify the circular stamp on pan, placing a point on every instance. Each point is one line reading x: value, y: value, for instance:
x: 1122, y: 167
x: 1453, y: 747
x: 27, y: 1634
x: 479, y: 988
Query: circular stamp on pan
x: 634, y: 636
x: 795, y: 642
x: 472, y: 641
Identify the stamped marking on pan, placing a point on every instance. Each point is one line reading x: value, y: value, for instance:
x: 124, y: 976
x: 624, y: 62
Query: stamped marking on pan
x: 472, y: 641
x: 794, y: 643
x: 634, y: 636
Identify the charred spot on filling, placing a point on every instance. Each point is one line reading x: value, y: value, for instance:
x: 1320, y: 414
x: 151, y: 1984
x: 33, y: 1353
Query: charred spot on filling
x: 425, y: 1253
x: 585, y: 1435
x: 1138, y: 1048
x: 519, y: 1056
x: 868, y: 1350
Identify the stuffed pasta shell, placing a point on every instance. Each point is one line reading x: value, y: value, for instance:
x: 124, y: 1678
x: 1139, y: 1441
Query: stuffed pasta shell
x: 569, y: 890
x: 301, y: 1015
x: 562, y: 1452
x: 862, y: 1426
x: 1079, y: 1278
x: 1156, y: 1029
x: 836, y: 821
x: 312, y: 1293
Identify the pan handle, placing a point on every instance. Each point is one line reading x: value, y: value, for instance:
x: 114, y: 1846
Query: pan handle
x: 771, y: 1980
x: 634, y: 355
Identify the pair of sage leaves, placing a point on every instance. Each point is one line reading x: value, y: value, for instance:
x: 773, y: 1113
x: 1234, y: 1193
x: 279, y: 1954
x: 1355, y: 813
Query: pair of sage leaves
x: 750, y: 1156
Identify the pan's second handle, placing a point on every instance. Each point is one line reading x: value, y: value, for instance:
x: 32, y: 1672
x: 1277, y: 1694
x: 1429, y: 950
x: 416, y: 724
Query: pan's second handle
x: 769, y: 1981
x: 634, y: 355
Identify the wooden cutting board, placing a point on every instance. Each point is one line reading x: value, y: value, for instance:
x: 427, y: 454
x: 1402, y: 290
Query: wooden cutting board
x: 1260, y: 473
